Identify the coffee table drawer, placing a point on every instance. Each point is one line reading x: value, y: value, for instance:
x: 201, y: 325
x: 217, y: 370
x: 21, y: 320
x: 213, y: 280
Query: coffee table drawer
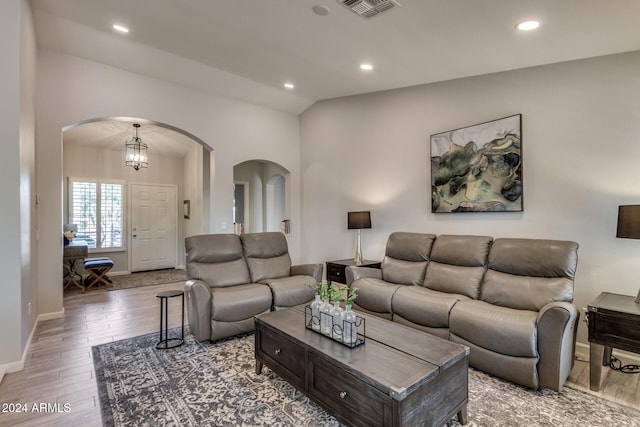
x: 282, y: 356
x: 347, y: 396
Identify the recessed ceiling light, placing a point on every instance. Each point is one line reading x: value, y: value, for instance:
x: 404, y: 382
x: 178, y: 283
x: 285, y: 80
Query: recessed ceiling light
x: 320, y: 9
x: 120, y: 28
x: 528, y: 25
x: 366, y: 67
x: 289, y: 86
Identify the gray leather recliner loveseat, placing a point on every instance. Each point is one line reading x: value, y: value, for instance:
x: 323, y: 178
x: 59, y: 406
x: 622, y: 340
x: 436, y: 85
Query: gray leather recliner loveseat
x: 233, y: 278
x: 508, y: 300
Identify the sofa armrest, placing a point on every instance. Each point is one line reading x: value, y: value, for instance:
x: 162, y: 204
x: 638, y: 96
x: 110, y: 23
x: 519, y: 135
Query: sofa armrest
x: 198, y: 298
x: 354, y: 273
x: 314, y: 270
x: 556, y: 343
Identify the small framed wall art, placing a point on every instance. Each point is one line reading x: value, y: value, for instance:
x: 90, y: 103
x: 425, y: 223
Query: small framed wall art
x: 478, y: 168
x: 186, y: 209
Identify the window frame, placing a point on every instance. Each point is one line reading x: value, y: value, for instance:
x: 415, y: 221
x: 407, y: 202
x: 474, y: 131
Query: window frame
x: 99, y: 183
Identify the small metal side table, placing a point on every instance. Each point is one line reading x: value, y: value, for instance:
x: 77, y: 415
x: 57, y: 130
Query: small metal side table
x: 167, y: 342
x: 614, y: 322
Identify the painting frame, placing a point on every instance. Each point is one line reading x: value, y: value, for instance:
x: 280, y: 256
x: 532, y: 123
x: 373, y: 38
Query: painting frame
x: 478, y: 168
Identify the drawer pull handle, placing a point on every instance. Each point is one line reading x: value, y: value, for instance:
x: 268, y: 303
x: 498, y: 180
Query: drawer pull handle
x: 343, y: 394
x: 277, y: 351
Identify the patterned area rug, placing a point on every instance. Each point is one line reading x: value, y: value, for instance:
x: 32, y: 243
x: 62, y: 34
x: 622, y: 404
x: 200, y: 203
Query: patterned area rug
x: 147, y: 278
x: 204, y: 384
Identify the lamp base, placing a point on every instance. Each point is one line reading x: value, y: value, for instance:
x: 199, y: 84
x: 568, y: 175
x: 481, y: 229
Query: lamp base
x: 358, y: 258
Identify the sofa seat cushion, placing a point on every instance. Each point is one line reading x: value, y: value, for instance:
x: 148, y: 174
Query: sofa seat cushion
x: 375, y: 295
x: 499, y: 329
x: 239, y: 302
x: 423, y: 306
x: 520, y: 370
x: 292, y: 290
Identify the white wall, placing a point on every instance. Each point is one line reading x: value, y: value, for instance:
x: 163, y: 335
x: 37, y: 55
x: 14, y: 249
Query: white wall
x: 17, y: 179
x: 90, y: 162
x: 72, y: 90
x: 581, y: 145
x: 193, y: 191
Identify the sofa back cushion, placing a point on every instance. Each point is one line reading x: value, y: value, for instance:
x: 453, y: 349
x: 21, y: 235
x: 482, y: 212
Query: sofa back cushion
x: 527, y: 274
x: 458, y: 264
x: 267, y: 255
x: 216, y: 259
x: 406, y: 257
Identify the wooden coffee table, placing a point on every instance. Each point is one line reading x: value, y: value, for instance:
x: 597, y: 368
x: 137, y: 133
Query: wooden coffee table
x: 398, y: 377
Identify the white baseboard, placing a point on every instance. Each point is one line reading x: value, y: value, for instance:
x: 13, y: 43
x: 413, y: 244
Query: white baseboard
x: 49, y: 316
x: 118, y: 273
x: 18, y: 365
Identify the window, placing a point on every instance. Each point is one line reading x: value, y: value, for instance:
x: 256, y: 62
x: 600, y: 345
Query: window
x: 97, y: 210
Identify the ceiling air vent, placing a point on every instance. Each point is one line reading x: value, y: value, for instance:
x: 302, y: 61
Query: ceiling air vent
x: 369, y: 8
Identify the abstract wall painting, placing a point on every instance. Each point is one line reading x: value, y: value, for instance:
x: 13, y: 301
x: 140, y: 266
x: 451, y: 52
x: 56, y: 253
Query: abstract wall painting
x: 478, y: 168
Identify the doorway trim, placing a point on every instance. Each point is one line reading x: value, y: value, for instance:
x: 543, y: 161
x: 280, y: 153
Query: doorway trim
x: 246, y: 207
x: 130, y: 230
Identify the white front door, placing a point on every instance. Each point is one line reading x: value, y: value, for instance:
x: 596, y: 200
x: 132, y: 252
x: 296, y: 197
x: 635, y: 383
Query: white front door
x: 154, y: 225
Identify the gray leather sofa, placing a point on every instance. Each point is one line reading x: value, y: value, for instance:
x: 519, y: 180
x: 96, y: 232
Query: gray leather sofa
x: 508, y: 300
x: 233, y: 278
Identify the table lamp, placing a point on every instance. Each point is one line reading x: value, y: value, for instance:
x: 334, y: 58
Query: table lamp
x: 358, y: 221
x: 629, y: 225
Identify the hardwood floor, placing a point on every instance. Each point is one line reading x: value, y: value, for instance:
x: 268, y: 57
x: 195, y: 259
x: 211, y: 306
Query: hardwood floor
x: 59, y: 368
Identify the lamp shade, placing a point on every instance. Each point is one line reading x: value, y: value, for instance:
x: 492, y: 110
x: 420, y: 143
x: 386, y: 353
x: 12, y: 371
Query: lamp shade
x: 358, y: 220
x: 629, y: 222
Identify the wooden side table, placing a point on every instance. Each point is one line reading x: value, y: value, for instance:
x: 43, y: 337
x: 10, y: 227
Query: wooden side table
x: 614, y: 322
x: 336, y: 269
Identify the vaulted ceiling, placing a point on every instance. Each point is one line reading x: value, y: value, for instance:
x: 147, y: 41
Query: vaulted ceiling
x: 247, y: 49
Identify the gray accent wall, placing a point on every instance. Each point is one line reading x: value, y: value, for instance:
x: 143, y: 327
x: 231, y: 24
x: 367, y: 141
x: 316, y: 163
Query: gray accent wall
x: 581, y: 146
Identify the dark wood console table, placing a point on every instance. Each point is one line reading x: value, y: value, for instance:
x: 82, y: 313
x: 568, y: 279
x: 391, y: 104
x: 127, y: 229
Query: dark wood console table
x: 336, y: 269
x: 614, y: 322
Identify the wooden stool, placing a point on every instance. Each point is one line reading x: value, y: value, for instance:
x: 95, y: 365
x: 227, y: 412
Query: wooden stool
x: 97, y: 269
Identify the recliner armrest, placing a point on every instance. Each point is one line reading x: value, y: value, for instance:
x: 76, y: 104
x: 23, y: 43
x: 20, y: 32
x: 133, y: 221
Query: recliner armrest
x: 556, y: 326
x: 314, y: 270
x: 354, y: 273
x: 198, y: 298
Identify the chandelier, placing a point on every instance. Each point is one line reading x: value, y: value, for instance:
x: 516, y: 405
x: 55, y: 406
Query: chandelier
x: 136, y: 152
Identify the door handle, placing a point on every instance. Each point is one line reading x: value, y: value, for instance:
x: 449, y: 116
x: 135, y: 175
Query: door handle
x: 135, y: 235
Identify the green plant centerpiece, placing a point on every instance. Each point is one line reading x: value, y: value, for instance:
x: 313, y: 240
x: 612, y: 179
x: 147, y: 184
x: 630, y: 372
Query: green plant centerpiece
x: 351, y: 296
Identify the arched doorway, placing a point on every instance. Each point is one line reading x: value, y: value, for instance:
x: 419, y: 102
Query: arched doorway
x: 93, y: 151
x: 260, y: 196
